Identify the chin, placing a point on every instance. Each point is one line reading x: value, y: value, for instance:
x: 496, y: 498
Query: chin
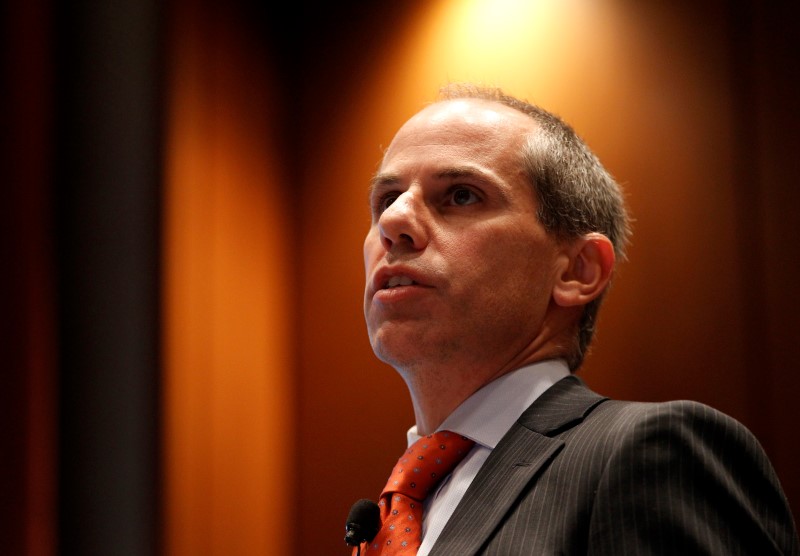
x: 392, y: 351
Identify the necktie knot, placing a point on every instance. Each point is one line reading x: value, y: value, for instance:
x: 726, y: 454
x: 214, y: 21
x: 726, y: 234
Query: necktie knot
x: 418, y: 471
x: 426, y: 462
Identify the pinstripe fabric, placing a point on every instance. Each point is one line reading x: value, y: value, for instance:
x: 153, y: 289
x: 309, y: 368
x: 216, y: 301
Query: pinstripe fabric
x: 581, y: 474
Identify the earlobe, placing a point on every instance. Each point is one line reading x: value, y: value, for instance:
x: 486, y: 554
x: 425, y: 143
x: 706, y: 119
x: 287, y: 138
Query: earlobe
x: 589, y: 263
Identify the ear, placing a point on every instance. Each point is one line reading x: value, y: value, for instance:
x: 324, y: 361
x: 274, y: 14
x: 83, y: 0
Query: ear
x: 588, y: 265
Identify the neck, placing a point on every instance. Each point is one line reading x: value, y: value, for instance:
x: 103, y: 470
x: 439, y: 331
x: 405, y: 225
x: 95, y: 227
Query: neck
x: 436, y: 396
x: 438, y: 386
x: 437, y: 392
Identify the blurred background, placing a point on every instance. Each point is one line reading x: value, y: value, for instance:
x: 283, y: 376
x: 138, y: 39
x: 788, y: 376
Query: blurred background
x: 185, y: 369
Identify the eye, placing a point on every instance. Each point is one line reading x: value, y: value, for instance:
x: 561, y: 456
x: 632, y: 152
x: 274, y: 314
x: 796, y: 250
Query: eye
x: 463, y: 196
x: 384, y: 201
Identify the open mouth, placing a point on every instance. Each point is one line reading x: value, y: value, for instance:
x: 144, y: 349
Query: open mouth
x: 396, y: 281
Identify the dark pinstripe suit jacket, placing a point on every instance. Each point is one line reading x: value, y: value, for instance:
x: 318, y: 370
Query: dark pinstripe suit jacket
x: 581, y: 474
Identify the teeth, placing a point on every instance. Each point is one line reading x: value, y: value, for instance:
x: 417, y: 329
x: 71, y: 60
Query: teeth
x: 399, y: 281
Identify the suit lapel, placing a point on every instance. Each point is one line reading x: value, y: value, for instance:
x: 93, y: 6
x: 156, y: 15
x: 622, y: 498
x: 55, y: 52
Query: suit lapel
x: 513, y: 464
x: 509, y: 468
x: 563, y: 405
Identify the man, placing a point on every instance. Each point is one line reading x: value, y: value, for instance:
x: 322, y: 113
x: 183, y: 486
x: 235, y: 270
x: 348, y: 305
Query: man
x: 494, y: 236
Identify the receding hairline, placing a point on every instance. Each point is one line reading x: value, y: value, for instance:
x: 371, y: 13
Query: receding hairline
x: 528, y: 131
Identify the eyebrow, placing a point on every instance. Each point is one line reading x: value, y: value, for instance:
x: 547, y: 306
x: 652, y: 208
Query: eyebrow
x: 383, y: 180
x: 454, y: 172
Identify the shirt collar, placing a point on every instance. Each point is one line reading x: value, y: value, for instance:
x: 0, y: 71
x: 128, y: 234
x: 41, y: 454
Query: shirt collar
x: 510, y: 394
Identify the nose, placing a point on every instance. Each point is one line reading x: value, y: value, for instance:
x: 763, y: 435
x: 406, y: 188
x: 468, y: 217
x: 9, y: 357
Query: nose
x: 402, y: 224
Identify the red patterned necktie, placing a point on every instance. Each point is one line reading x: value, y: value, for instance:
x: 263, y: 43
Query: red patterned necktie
x: 418, y: 471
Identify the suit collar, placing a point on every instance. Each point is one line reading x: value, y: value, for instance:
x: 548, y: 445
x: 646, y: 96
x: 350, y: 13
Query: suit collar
x: 562, y: 405
x: 513, y: 464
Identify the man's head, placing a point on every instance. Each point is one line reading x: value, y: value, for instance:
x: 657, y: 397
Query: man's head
x: 500, y: 228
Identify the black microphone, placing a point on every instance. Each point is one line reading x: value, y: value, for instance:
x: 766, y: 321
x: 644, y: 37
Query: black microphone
x: 363, y: 523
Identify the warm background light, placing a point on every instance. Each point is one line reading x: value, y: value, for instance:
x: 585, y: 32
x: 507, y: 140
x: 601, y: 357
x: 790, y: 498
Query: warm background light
x: 229, y: 387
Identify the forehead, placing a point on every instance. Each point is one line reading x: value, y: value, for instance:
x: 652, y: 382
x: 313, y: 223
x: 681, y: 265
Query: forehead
x: 477, y: 129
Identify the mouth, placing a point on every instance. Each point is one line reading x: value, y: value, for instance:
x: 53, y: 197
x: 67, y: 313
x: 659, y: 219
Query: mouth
x: 396, y: 281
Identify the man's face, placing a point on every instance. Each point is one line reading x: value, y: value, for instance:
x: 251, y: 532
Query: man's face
x: 459, y: 271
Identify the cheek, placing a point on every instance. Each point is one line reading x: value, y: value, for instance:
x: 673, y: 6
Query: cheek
x: 370, y: 250
x: 514, y: 252
x: 514, y: 266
